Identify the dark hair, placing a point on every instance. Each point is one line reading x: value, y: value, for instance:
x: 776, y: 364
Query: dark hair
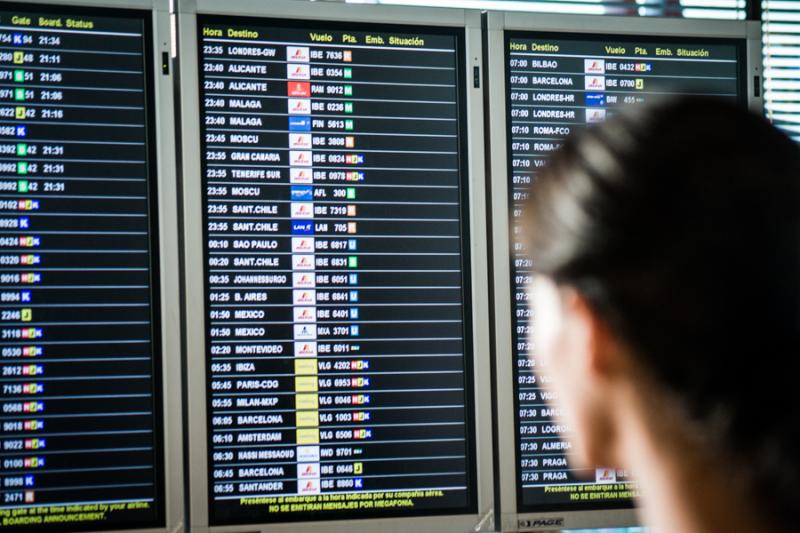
x: 679, y: 223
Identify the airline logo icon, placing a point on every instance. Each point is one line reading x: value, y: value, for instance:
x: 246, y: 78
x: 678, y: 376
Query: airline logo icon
x: 305, y: 332
x: 304, y: 297
x: 305, y: 349
x: 301, y: 193
x: 300, y: 141
x: 304, y: 314
x: 302, y: 228
x: 302, y: 262
x: 299, y: 123
x: 595, y: 99
x: 297, y: 53
x: 300, y: 175
x: 595, y: 115
x: 594, y: 66
x: 307, y: 454
x: 299, y: 106
x: 308, y: 471
x: 605, y: 475
x: 302, y: 280
x: 299, y: 88
x: 303, y: 245
x: 595, y: 83
x: 300, y: 158
x: 309, y: 486
x: 298, y: 72
x: 302, y: 210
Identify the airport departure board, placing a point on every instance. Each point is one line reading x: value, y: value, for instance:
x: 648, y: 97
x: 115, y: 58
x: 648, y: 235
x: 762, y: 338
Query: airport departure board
x: 336, y: 270
x: 557, y: 84
x: 79, y: 338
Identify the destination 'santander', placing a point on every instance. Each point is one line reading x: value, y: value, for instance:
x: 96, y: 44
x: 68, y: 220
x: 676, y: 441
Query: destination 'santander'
x: 335, y: 272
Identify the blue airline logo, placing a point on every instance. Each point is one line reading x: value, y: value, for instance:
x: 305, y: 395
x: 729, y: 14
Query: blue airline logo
x: 595, y: 99
x: 301, y: 193
x: 302, y: 228
x: 299, y: 123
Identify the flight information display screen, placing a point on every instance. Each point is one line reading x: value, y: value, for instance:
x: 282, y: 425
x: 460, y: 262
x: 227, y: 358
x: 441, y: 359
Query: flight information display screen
x: 80, y: 440
x: 336, y: 270
x: 557, y: 84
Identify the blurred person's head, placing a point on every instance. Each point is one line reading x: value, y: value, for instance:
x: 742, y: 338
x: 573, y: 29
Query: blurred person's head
x: 666, y: 246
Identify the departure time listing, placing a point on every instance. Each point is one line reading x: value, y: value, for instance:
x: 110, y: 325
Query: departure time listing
x: 79, y: 439
x: 337, y: 318
x: 557, y: 85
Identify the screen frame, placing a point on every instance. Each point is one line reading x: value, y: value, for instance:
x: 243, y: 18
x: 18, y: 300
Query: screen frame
x: 748, y: 33
x: 194, y: 302
x: 164, y: 202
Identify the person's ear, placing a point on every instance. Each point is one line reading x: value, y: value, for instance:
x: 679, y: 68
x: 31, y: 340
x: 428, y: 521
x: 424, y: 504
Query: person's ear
x: 597, y: 367
x: 592, y: 338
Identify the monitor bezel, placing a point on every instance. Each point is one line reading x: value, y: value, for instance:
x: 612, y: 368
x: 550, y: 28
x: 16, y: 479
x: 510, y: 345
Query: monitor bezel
x: 748, y: 34
x: 470, y: 22
x: 156, y: 13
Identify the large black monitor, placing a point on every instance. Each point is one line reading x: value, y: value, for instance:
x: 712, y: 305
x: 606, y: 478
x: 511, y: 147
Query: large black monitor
x: 84, y: 337
x: 552, y: 76
x: 334, y: 336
